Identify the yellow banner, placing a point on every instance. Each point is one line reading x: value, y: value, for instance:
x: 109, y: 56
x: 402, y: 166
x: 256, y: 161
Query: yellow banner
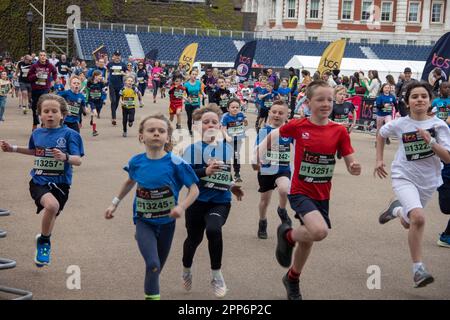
x: 332, y: 56
x: 187, y: 58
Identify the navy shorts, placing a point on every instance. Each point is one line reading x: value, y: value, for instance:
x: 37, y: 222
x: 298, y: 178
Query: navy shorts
x: 302, y: 205
x: 60, y: 191
x: 444, y: 197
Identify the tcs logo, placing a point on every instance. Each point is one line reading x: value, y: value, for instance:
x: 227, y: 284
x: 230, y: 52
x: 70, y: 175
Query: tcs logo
x: 330, y: 64
x: 440, y: 62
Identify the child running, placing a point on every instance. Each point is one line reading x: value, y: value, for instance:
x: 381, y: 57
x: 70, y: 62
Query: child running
x: 128, y: 96
x: 76, y: 104
x: 284, y: 92
x: 222, y: 95
x: 95, y: 88
x: 210, y: 159
x: 266, y: 97
x: 5, y: 88
x: 233, y: 129
x: 316, y: 141
x: 176, y: 96
x: 159, y: 176
x: 416, y: 169
x: 274, y: 169
x: 385, y: 104
x: 441, y: 105
x: 56, y: 149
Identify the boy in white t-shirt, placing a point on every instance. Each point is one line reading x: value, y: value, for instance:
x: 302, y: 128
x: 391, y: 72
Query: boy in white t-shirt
x: 416, y: 170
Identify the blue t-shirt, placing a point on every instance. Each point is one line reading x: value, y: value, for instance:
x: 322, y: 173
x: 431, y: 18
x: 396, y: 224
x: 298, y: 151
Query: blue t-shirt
x: 193, y: 92
x: 441, y: 107
x: 214, y: 188
x: 158, y: 184
x: 258, y: 91
x: 380, y: 104
x: 279, y: 161
x: 58, y: 87
x: 46, y: 168
x: 76, y: 102
x: 234, y: 124
x: 115, y: 70
x: 267, y: 101
x: 284, y: 94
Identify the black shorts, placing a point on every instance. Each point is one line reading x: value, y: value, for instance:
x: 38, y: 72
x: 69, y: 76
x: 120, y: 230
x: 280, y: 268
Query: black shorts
x: 302, y: 205
x: 60, y: 191
x: 263, y: 113
x: 444, y: 197
x: 267, y: 182
x: 73, y: 125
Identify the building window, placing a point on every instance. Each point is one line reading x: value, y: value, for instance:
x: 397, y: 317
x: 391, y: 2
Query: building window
x: 436, y: 12
x: 291, y: 9
x: 347, y: 10
x: 274, y: 8
x: 386, y: 11
x: 289, y: 37
x: 432, y: 42
x: 364, y: 41
x: 313, y: 38
x: 314, y: 8
x: 411, y: 42
x: 413, y: 13
x: 347, y: 40
x: 384, y: 41
x: 366, y: 10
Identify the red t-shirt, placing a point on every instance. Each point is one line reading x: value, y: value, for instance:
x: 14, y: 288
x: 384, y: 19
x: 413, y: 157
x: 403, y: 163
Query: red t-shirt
x: 176, y: 96
x: 315, y: 147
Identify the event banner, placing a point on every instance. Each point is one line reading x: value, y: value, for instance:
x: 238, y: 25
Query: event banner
x: 439, y: 58
x: 152, y: 55
x: 100, y: 53
x: 187, y: 58
x: 244, y: 60
x: 332, y: 56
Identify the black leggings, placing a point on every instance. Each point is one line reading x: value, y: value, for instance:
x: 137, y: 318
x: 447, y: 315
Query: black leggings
x: 114, y: 96
x: 189, y: 111
x: 154, y: 242
x: 156, y: 84
x: 35, y: 95
x: 142, y: 87
x: 201, y: 216
x: 127, y: 116
x: 237, y: 143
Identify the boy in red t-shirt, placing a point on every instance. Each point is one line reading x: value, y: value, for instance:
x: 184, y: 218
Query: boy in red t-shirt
x: 317, y: 139
x: 176, y: 93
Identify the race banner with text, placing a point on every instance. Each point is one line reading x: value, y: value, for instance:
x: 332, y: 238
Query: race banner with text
x: 439, y: 58
x: 187, y: 58
x: 332, y: 56
x: 244, y: 60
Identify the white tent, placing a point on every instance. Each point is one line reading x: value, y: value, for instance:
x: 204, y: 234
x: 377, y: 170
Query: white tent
x: 351, y: 65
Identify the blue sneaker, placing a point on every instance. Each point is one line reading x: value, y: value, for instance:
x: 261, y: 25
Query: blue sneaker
x: 444, y: 240
x: 42, y: 257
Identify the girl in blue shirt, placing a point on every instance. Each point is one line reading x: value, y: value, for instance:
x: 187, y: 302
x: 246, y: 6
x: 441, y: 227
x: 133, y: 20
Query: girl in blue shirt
x: 56, y: 149
x: 193, y: 92
x: 385, y: 104
x: 159, y: 176
x: 211, y: 161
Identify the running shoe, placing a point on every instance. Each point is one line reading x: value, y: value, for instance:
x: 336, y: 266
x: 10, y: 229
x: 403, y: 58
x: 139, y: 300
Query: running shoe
x: 124, y: 134
x: 178, y: 126
x: 422, y: 277
x: 187, y: 281
x: 292, y: 288
x: 444, y: 240
x: 113, y: 122
x: 237, y: 178
x: 283, y: 214
x: 262, y: 229
x: 219, y: 287
x: 388, y: 214
x: 283, y: 252
x: 130, y: 124
x: 152, y: 297
x: 95, y: 133
x: 42, y: 256
x: 388, y: 142
x: 24, y: 109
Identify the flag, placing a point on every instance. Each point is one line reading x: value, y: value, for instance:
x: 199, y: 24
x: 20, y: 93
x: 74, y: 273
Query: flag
x: 332, y: 56
x: 244, y: 60
x: 439, y: 58
x: 187, y: 58
x: 100, y: 53
x: 152, y: 55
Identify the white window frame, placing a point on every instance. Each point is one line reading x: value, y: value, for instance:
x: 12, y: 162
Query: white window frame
x: 419, y: 8
x: 273, y: 10
x: 286, y: 9
x: 364, y: 41
x: 313, y: 38
x: 441, y: 16
x: 352, y: 10
x: 391, y: 11
x: 362, y: 5
x: 411, y: 42
x: 384, y: 41
x: 319, y: 14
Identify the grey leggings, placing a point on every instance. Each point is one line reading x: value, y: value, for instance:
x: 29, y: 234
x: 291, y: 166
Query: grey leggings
x: 154, y: 242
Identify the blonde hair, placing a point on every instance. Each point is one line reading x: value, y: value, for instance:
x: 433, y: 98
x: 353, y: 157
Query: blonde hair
x: 339, y: 88
x: 53, y: 97
x: 212, y: 107
x: 168, y: 146
x: 74, y: 77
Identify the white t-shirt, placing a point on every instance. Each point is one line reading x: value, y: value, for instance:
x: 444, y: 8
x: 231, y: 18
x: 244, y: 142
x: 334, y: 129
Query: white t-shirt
x: 53, y: 61
x: 414, y: 160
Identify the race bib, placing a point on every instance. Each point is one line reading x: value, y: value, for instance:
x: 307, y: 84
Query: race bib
x: 268, y: 104
x: 387, y: 108
x: 128, y: 102
x: 442, y: 113
x: 4, y: 90
x: 281, y: 157
x: 415, y: 147
x: 42, y: 78
x: 45, y: 164
x: 316, y: 167
x: 74, y: 109
x: 220, y: 180
x: 116, y: 70
x: 95, y: 94
x: 223, y: 103
x: 154, y: 203
x: 140, y: 79
x: 234, y: 129
x: 284, y: 98
x: 178, y: 94
x: 195, y: 99
x: 341, y: 118
x: 25, y: 72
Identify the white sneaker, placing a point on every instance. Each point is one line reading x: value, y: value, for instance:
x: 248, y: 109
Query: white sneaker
x: 187, y: 281
x: 219, y: 287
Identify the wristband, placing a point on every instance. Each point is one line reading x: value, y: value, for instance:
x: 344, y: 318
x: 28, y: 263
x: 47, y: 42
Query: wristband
x: 67, y: 157
x: 432, y: 142
x: 115, y: 201
x: 14, y: 148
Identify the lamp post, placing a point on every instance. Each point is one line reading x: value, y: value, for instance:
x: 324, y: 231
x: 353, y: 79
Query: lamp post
x: 30, y: 22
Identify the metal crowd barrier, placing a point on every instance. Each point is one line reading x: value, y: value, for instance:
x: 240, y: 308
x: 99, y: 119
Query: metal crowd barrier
x: 11, y: 264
